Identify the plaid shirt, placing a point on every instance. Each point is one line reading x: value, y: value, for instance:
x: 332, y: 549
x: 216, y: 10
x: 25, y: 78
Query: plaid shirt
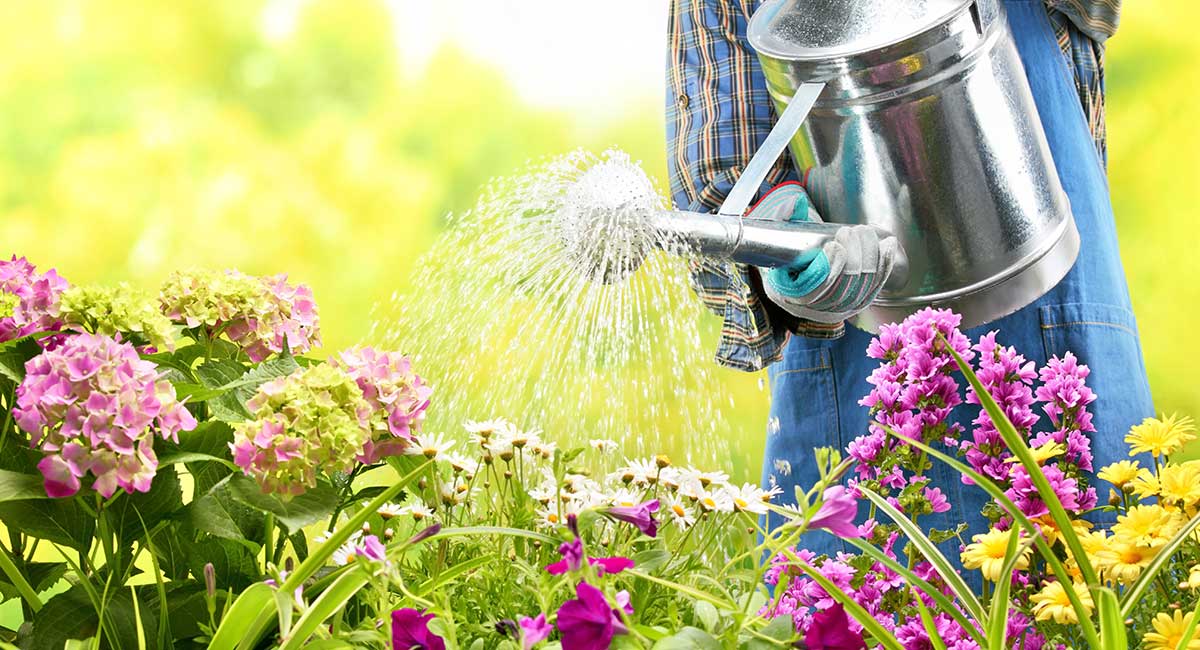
x: 719, y: 112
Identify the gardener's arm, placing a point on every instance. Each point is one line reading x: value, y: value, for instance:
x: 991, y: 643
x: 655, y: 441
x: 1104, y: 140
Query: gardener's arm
x: 718, y: 113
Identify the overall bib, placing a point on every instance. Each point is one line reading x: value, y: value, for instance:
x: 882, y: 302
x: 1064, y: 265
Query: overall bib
x: 816, y: 386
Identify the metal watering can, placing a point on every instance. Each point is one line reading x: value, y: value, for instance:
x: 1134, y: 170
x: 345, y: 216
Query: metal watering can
x: 920, y: 122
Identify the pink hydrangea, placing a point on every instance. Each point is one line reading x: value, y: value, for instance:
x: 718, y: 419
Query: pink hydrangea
x: 28, y: 300
x: 261, y: 315
x: 398, y: 398
x: 93, y: 405
x: 290, y: 320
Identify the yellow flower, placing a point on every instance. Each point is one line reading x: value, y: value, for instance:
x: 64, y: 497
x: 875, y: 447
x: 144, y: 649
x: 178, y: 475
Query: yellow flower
x: 1146, y: 484
x: 1180, y: 484
x: 1193, y: 579
x: 1168, y: 632
x: 1044, y: 452
x: 987, y: 554
x: 1122, y: 561
x: 1120, y: 473
x: 1052, y: 602
x: 1159, y: 437
x: 1147, y: 525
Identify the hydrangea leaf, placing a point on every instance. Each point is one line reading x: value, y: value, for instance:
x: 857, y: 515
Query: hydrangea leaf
x: 134, y: 514
x: 14, y: 354
x: 61, y: 521
x: 15, y: 486
x: 219, y: 513
x: 294, y: 514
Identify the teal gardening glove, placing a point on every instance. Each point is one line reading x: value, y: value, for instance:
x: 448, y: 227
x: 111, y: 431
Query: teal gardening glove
x: 831, y: 284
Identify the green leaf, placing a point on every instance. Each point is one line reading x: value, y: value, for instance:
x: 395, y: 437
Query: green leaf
x: 278, y: 366
x: 196, y: 393
x: 708, y: 615
x: 314, y: 505
x: 447, y: 576
x: 215, y: 374
x: 997, y: 630
x: 330, y: 602
x: 62, y: 521
x: 14, y: 354
x: 689, y: 638
x: 1113, y: 634
x: 220, y: 513
x: 235, y: 565
x: 134, y: 514
x: 651, y: 559
x: 238, y: 622
x: 71, y: 615
x: 15, y: 486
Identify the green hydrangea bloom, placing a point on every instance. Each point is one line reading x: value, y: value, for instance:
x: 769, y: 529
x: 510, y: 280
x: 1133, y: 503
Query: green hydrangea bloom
x: 8, y: 303
x: 203, y: 297
x: 117, y: 310
x: 313, y: 420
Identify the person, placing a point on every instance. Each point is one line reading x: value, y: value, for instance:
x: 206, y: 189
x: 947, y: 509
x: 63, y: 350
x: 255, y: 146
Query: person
x: 719, y: 112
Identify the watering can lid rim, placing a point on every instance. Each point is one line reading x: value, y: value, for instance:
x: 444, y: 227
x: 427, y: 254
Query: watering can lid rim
x: 828, y: 29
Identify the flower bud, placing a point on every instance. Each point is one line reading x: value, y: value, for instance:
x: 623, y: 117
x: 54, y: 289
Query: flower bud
x: 210, y: 580
x: 663, y: 461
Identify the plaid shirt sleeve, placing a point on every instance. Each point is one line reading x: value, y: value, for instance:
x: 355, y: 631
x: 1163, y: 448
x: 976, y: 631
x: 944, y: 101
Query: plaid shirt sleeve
x: 718, y: 114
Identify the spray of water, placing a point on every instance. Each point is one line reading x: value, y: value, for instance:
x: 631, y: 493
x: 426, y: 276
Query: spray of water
x: 551, y: 304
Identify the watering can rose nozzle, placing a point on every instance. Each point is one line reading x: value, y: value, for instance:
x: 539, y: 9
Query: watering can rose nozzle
x: 758, y: 242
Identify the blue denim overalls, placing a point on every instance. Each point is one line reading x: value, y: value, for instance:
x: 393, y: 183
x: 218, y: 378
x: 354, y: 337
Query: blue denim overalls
x: 816, y: 386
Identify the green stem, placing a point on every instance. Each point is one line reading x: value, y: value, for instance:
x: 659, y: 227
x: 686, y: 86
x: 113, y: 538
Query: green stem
x: 14, y: 575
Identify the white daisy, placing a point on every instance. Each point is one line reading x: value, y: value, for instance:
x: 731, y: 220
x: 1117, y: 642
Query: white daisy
x: 543, y: 493
x: 462, y: 464
x: 483, y: 432
x: 748, y: 498
x: 680, y: 514
x: 604, y: 446
x: 638, y: 472
x: 419, y: 511
x: 547, y: 518
x: 389, y: 510
x: 544, y: 448
x: 669, y: 478
x: 430, y: 446
x: 713, y: 478
x: 717, y: 501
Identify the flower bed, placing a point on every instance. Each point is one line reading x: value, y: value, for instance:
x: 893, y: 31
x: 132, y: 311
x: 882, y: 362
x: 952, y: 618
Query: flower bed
x: 175, y: 473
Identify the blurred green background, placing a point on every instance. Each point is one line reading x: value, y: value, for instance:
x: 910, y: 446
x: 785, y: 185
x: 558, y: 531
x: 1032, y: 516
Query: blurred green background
x: 137, y: 137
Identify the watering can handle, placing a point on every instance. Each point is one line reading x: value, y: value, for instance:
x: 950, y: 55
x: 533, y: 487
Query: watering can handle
x: 760, y: 165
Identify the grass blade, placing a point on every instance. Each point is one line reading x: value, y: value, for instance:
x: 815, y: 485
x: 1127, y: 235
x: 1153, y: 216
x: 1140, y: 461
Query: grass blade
x: 931, y: 552
x: 998, y: 622
x: 327, y: 604
x: 930, y: 626
x: 238, y: 621
x: 1112, y: 624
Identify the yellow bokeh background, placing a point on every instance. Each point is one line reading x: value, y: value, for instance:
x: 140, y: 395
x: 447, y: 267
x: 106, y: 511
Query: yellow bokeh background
x: 138, y: 137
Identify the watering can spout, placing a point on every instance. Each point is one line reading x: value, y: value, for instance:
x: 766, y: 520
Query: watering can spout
x: 758, y: 242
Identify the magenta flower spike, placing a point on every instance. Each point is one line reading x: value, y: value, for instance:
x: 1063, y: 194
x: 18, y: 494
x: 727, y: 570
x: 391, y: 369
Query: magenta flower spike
x: 410, y: 631
x: 588, y: 622
x: 837, y: 513
x: 641, y: 515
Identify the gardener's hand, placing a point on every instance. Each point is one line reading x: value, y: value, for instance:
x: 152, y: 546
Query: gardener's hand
x: 834, y: 283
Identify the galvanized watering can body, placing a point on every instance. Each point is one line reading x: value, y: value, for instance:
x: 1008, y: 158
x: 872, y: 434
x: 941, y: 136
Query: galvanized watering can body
x: 927, y: 129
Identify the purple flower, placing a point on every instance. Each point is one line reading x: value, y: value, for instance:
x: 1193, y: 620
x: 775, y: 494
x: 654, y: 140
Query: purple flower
x: 533, y: 630
x: 410, y: 631
x: 572, y: 554
x: 838, y: 510
x: 831, y: 630
x: 641, y: 515
x: 92, y: 405
x: 937, y: 500
x: 588, y: 622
